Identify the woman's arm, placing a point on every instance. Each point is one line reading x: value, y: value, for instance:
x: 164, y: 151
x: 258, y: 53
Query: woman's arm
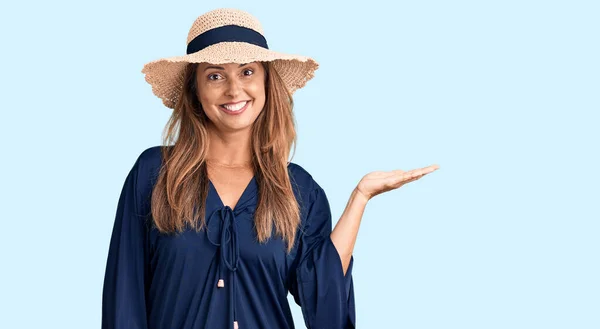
x: 345, y: 231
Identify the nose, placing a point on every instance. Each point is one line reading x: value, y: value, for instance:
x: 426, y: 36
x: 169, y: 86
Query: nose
x: 234, y: 86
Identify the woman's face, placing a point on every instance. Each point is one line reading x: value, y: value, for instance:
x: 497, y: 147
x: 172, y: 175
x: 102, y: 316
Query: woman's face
x: 232, y: 95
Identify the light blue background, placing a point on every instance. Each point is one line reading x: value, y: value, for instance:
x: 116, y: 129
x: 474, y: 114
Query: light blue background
x: 503, y: 95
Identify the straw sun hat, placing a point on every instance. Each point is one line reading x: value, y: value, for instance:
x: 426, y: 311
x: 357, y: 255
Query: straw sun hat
x: 225, y: 36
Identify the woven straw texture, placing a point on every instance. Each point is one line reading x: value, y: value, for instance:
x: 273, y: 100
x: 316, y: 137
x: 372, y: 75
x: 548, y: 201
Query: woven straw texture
x: 165, y: 75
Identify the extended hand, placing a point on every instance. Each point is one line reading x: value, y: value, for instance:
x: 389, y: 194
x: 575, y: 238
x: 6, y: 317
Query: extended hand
x: 378, y: 182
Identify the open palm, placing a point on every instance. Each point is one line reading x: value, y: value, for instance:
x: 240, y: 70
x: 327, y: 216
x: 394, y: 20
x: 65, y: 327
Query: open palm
x: 378, y: 182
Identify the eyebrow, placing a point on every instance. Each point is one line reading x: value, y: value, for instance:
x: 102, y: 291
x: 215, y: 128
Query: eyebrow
x: 221, y: 68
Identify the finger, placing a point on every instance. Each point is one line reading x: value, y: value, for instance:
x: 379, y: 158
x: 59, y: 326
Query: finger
x: 394, y: 176
x: 433, y: 167
x: 410, y: 180
x: 429, y: 169
x: 401, y: 178
x: 415, y: 173
x: 424, y: 171
x: 410, y: 177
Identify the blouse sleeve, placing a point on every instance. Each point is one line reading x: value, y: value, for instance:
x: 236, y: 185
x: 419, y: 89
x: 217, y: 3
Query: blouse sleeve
x: 124, y: 290
x: 318, y: 284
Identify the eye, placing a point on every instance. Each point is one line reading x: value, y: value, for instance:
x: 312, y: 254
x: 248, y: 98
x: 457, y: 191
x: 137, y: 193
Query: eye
x: 249, y: 70
x: 210, y: 76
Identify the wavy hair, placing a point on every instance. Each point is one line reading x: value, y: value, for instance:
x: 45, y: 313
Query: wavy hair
x: 182, y: 184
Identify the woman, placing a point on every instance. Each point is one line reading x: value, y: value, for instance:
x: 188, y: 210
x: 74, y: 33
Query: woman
x: 214, y: 230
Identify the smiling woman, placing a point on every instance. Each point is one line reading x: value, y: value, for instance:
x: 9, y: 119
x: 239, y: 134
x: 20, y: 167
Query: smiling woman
x: 216, y: 227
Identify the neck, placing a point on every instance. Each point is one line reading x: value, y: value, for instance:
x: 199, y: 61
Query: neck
x: 232, y: 148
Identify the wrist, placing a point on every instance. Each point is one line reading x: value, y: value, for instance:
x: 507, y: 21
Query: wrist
x: 360, y: 196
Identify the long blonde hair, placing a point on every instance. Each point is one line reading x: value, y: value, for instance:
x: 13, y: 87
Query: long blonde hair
x: 182, y: 184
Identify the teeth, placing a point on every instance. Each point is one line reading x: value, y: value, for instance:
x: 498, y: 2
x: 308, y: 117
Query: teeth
x: 235, y: 107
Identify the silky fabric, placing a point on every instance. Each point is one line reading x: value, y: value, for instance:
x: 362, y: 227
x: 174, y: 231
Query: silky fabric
x: 171, y: 281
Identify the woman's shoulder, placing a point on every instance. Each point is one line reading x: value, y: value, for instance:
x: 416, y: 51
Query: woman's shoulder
x: 148, y: 164
x: 152, y: 156
x: 301, y: 178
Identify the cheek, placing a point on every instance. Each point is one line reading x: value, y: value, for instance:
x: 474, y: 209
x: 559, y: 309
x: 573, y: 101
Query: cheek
x: 207, y: 97
x: 258, y: 92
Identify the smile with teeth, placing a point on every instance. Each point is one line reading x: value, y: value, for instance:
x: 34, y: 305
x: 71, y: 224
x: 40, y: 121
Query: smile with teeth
x: 235, y: 107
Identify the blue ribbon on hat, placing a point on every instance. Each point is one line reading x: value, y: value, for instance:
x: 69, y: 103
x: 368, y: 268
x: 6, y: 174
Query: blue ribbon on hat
x: 227, y: 33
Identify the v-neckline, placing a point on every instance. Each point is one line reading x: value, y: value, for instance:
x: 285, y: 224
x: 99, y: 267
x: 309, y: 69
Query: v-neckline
x: 242, y: 197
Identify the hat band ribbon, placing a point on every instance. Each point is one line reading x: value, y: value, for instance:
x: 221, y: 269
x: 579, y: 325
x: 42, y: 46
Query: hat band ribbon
x: 227, y: 33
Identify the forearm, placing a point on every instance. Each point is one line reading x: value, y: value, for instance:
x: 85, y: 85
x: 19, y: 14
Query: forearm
x: 346, y: 230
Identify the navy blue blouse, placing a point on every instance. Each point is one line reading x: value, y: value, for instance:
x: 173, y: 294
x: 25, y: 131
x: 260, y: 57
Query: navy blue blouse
x: 221, y: 277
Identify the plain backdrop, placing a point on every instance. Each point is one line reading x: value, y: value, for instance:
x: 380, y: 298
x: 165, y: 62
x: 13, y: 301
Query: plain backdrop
x: 503, y: 95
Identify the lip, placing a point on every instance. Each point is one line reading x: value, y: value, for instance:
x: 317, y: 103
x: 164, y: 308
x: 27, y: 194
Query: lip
x: 233, y: 103
x: 236, y: 112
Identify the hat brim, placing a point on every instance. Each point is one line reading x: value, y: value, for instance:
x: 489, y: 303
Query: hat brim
x: 165, y: 75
